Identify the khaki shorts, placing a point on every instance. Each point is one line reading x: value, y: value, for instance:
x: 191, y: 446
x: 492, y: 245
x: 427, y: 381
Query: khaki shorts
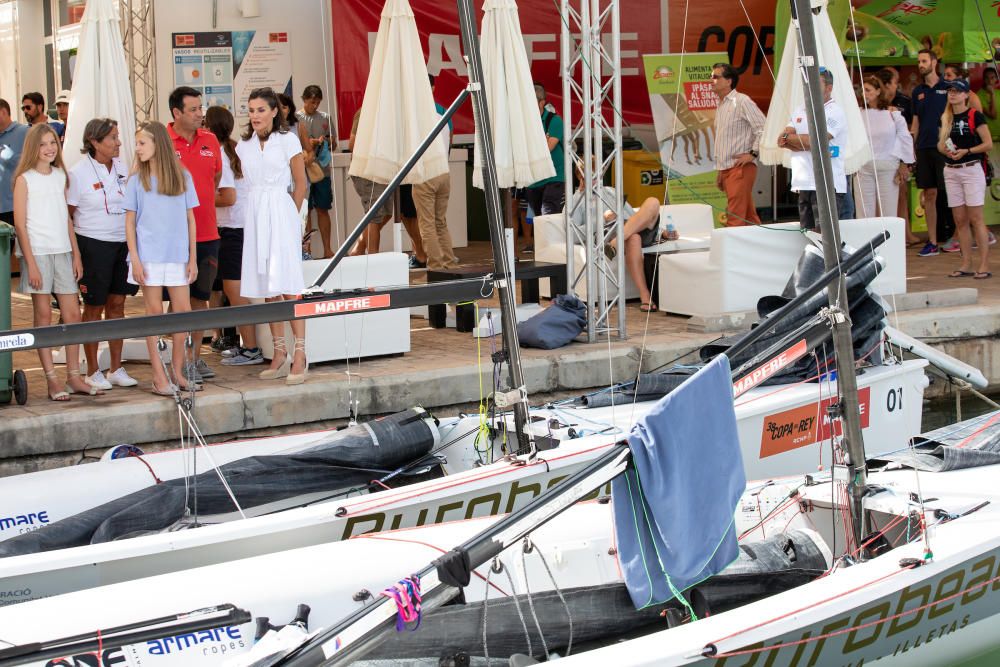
x: 369, y: 191
x: 57, y: 275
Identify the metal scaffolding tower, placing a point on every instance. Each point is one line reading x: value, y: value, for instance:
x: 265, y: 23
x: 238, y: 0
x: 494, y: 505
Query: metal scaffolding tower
x: 140, y: 54
x: 591, y: 75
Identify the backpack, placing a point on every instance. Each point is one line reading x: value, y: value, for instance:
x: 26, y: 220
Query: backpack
x: 987, y: 165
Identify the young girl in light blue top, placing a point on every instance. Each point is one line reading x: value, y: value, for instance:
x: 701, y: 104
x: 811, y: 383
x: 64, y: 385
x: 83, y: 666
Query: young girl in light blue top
x: 159, y: 229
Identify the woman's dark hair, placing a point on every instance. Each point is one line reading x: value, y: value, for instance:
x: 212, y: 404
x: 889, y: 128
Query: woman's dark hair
x: 875, y: 83
x: 220, y: 122
x: 279, y: 124
x: 287, y: 102
x: 96, y: 130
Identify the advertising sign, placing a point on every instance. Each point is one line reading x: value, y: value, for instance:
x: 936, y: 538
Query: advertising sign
x: 683, y: 103
x: 226, y: 66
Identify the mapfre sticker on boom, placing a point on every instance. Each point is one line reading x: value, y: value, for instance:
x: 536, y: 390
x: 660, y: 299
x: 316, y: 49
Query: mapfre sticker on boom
x: 348, y: 305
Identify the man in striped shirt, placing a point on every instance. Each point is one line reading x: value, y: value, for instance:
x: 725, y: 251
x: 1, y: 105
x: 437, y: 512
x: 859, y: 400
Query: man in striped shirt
x: 738, y: 126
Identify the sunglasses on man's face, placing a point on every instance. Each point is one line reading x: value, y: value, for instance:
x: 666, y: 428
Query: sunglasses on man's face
x: 26, y: 108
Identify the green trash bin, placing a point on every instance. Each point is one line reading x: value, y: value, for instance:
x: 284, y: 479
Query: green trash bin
x: 11, y: 383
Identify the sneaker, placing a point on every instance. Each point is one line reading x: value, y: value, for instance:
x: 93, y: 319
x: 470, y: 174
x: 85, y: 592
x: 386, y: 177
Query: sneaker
x: 950, y: 246
x: 203, y: 369
x: 122, y: 379
x: 231, y: 352
x: 222, y: 343
x: 245, y: 357
x: 929, y: 250
x: 416, y: 263
x: 992, y: 241
x: 99, y: 381
x: 190, y: 372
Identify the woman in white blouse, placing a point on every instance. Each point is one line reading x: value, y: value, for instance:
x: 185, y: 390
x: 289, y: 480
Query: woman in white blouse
x: 892, y: 150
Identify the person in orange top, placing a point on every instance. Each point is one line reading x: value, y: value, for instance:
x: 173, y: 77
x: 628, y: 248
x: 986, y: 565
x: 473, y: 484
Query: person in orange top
x: 200, y: 153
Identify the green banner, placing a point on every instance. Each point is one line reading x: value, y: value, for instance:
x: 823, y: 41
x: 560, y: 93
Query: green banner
x: 684, y: 102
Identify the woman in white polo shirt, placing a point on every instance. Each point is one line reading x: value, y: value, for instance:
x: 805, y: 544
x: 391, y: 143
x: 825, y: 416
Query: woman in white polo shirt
x: 95, y: 195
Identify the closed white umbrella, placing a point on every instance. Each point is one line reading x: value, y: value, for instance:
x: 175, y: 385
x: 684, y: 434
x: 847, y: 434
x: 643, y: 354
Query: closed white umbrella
x: 398, y: 110
x: 522, y: 153
x: 789, y: 94
x: 101, y: 86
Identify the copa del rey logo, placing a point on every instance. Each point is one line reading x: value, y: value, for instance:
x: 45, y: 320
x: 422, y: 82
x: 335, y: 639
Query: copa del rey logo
x: 336, y: 306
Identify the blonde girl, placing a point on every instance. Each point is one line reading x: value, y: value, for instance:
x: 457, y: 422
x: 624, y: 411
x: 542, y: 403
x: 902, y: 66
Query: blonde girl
x: 160, y: 232
x: 47, y: 245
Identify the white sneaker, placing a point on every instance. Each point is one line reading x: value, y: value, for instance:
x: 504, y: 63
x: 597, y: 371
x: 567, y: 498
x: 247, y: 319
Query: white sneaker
x: 121, y: 378
x: 98, y: 380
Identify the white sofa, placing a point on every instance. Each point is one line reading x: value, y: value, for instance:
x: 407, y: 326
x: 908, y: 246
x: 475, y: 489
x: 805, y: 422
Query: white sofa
x: 745, y: 263
x: 693, y: 222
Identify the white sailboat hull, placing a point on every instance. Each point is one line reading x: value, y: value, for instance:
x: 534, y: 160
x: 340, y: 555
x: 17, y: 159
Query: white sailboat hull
x: 467, y: 493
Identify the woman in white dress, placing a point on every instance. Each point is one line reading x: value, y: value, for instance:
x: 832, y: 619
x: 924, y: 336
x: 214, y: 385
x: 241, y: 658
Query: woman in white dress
x: 272, y: 249
x: 879, y: 179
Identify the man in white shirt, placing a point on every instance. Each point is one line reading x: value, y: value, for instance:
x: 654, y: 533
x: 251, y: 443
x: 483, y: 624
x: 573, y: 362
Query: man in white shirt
x: 796, y: 139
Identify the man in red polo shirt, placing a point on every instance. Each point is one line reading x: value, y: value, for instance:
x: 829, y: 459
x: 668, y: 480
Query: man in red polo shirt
x: 199, y: 152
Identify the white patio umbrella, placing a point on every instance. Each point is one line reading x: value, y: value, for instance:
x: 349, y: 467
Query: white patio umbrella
x: 789, y: 94
x: 398, y: 109
x: 101, y: 86
x: 522, y: 153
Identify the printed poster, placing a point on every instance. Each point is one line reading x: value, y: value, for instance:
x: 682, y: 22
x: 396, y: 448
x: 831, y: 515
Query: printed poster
x: 225, y: 66
x: 683, y: 102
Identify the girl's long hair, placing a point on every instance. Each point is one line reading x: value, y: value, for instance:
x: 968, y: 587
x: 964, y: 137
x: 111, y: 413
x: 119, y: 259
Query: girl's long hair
x: 948, y: 117
x: 164, y: 163
x: 32, y: 148
x: 220, y: 122
x: 279, y: 124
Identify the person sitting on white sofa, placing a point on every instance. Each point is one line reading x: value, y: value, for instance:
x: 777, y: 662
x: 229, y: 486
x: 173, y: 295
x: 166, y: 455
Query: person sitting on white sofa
x: 641, y: 230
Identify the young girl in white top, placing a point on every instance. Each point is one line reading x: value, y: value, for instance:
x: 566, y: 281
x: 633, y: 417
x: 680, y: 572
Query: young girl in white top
x: 159, y: 230
x: 47, y: 246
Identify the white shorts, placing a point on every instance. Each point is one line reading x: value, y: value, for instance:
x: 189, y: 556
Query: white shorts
x: 57, y: 275
x: 965, y: 186
x: 162, y: 274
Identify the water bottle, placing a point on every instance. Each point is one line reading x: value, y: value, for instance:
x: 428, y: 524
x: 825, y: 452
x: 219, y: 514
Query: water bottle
x: 671, y: 230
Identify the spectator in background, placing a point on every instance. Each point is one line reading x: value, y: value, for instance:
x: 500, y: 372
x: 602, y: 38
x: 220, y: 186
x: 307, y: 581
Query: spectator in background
x: 796, y: 139
x: 431, y: 200
x: 929, y: 101
x: 33, y: 106
x: 892, y: 150
x: 952, y: 72
x: 47, y: 244
x: 897, y: 101
x: 965, y: 140
x: 12, y: 136
x: 988, y: 100
x: 96, y: 198
x: 290, y: 113
x: 160, y: 225
x: 271, y: 157
x: 319, y: 149
x: 738, y: 126
x: 369, y: 191
x: 62, y: 106
x: 199, y: 152
x: 230, y: 205
x: 549, y: 196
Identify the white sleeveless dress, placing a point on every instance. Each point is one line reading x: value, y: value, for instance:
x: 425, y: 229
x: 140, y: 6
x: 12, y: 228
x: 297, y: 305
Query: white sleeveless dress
x: 272, y: 242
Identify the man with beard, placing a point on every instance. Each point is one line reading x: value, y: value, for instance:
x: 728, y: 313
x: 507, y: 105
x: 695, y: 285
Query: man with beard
x: 929, y: 101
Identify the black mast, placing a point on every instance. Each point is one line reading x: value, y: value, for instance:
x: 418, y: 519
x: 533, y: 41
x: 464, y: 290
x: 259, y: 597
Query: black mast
x: 819, y: 147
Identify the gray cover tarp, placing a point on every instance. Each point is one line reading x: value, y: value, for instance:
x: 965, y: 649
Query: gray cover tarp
x: 968, y: 444
x: 348, y: 458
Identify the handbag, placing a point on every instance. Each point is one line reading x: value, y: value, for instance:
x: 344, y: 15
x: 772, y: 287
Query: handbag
x: 315, y: 172
x: 323, y: 155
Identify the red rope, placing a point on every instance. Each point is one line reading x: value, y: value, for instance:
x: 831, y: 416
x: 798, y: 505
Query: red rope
x: 842, y: 631
x: 145, y: 463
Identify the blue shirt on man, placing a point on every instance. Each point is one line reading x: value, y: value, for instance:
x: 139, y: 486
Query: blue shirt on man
x: 161, y: 225
x: 929, y: 103
x: 11, y: 144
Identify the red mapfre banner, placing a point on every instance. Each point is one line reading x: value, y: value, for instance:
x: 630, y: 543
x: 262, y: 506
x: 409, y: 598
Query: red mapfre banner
x: 712, y: 25
x: 355, y: 23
